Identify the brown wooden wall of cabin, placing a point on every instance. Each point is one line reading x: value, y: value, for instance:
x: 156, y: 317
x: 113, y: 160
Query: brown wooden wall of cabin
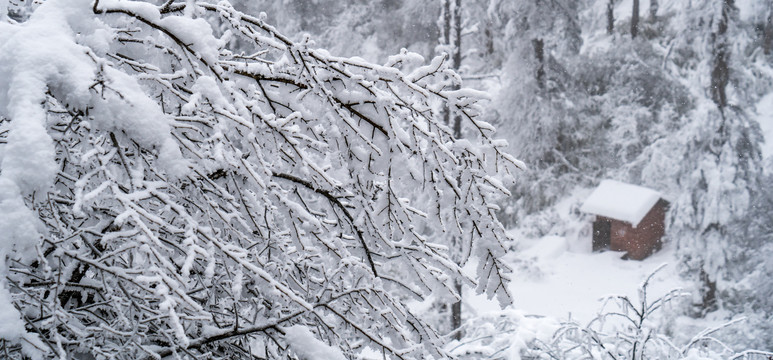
x: 643, y: 240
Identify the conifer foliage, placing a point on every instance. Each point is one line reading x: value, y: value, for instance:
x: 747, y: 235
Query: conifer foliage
x: 165, y: 195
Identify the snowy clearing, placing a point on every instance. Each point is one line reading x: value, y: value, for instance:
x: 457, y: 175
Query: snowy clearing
x: 572, y: 283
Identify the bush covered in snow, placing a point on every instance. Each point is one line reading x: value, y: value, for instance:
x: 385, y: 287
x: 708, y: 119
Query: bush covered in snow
x: 625, y: 329
x: 166, y: 194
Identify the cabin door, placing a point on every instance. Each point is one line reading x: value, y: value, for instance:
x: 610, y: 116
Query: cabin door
x: 601, y: 234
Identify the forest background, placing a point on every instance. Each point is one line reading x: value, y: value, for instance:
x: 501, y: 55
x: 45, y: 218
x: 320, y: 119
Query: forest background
x: 667, y: 94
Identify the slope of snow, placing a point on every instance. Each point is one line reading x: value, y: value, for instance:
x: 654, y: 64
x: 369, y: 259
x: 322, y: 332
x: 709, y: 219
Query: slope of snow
x: 574, y: 283
x: 765, y: 118
x: 571, y: 284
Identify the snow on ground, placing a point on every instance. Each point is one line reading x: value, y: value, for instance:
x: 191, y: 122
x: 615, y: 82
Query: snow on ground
x: 574, y: 283
x: 765, y: 118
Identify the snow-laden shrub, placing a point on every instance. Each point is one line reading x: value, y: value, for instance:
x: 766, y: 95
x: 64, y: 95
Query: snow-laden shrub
x: 508, y: 334
x: 624, y: 329
x: 163, y: 195
x: 632, y: 331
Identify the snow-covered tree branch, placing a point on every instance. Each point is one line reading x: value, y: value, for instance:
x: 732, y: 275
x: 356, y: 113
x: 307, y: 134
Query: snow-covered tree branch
x: 167, y: 194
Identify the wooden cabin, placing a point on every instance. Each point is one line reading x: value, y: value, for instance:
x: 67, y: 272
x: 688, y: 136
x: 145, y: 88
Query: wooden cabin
x: 629, y: 218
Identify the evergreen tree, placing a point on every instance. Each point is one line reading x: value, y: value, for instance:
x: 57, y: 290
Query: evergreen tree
x: 722, y: 174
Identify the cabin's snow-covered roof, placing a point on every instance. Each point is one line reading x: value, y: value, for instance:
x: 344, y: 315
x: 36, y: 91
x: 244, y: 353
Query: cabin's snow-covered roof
x: 621, y: 201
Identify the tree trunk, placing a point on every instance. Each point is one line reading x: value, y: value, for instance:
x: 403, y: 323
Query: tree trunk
x: 445, y: 38
x: 446, y: 27
x: 539, y: 53
x: 456, y: 312
x: 653, y: 10
x: 489, y: 36
x: 457, y: 35
x: 457, y: 56
x: 720, y: 74
x: 452, y: 35
x: 767, y: 41
x: 635, y: 19
x: 708, y: 293
x: 610, y: 17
